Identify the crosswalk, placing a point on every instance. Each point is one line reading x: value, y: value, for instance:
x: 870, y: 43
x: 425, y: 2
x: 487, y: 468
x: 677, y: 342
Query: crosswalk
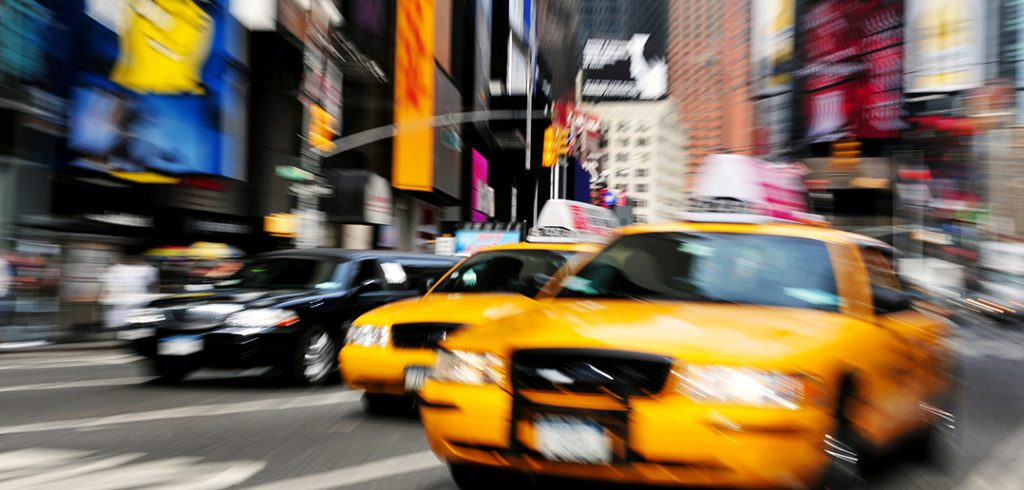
x: 43, y: 468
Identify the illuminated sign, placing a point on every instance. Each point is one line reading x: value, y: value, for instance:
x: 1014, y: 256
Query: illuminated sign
x: 412, y: 167
x: 622, y: 69
x: 945, y: 45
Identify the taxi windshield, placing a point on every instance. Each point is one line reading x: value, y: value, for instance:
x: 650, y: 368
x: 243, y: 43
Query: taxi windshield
x: 503, y: 271
x: 283, y: 273
x: 712, y: 267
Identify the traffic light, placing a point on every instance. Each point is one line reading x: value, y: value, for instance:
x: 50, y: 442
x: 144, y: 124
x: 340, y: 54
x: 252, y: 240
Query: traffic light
x: 322, y: 128
x: 550, y: 156
x: 562, y: 140
x: 845, y: 154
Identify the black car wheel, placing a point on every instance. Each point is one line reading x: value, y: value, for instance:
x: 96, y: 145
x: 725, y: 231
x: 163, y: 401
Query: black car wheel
x: 168, y: 371
x: 315, y: 359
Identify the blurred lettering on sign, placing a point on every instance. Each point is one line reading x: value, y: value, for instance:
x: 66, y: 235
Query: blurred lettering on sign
x: 413, y: 164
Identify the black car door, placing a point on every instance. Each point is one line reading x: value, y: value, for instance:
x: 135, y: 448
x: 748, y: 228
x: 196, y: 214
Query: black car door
x: 373, y: 288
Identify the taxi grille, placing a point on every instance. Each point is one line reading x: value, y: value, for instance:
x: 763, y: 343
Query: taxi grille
x: 421, y: 335
x: 622, y: 373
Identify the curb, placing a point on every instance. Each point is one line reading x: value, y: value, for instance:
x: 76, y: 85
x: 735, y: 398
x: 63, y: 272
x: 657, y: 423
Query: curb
x: 50, y: 346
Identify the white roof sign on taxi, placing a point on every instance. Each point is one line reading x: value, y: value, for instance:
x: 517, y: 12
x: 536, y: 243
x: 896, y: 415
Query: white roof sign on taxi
x: 565, y: 221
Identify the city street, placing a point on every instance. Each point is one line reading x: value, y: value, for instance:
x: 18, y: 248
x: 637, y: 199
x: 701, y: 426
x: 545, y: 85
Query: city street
x: 88, y: 418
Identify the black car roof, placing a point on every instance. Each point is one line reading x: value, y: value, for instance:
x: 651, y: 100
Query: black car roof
x: 340, y: 253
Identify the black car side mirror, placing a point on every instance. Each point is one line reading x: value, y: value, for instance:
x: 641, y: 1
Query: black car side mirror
x: 369, y: 285
x: 889, y: 300
x: 539, y: 280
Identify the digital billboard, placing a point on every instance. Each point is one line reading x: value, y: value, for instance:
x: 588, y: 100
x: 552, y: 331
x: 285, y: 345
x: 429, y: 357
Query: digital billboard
x: 412, y: 165
x: 853, y: 57
x: 624, y: 69
x: 772, y: 45
x: 158, y: 87
x: 945, y: 45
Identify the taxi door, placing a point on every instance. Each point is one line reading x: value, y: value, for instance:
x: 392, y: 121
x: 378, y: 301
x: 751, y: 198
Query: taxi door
x: 907, y: 360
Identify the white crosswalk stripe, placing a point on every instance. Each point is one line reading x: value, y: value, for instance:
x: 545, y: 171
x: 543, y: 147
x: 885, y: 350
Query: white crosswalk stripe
x: 38, y: 468
x: 186, y: 412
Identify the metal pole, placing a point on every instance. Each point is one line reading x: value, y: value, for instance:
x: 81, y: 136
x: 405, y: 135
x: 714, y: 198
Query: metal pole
x: 529, y: 98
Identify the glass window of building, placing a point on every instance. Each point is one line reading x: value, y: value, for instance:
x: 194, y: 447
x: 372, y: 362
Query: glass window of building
x: 641, y: 188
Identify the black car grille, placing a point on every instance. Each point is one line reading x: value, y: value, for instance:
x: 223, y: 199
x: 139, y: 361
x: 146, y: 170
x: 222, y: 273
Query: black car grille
x: 620, y: 373
x: 421, y: 335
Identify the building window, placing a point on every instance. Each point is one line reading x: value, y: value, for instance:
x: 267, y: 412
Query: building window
x: 640, y: 203
x: 640, y: 188
x: 643, y: 126
x: 639, y: 219
x: 622, y: 187
x: 623, y: 126
x: 641, y: 172
x: 621, y: 157
x: 622, y: 172
x: 624, y: 141
x: 641, y: 142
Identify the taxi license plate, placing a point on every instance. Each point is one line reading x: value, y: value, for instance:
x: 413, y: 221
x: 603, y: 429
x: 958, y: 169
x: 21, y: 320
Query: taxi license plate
x: 415, y: 376
x: 180, y: 345
x: 572, y: 440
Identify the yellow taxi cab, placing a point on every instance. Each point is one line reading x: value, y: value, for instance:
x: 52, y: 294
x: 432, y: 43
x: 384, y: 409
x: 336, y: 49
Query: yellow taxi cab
x: 719, y: 352
x: 390, y: 351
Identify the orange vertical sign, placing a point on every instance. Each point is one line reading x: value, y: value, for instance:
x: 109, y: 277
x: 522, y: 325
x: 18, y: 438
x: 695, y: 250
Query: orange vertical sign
x: 412, y: 166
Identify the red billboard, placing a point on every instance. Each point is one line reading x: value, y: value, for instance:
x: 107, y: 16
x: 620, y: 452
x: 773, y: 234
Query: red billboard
x: 852, y: 76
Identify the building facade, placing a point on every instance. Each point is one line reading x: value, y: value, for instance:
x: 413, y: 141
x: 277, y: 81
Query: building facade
x: 709, y: 73
x: 647, y: 155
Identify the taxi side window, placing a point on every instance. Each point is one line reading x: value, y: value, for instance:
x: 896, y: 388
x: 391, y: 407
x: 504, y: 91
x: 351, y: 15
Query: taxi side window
x: 886, y: 291
x: 880, y: 269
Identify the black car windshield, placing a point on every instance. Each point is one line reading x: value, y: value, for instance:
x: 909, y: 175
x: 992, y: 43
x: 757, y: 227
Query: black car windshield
x: 713, y: 267
x: 502, y: 271
x: 285, y: 273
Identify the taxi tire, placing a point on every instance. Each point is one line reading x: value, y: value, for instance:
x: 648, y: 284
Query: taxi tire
x: 295, y: 372
x: 843, y: 474
x: 381, y: 404
x: 474, y: 477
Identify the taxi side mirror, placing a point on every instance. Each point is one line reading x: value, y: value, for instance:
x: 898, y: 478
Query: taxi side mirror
x: 889, y: 300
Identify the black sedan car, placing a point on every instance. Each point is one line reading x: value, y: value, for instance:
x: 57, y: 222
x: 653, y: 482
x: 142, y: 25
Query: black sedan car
x: 287, y: 310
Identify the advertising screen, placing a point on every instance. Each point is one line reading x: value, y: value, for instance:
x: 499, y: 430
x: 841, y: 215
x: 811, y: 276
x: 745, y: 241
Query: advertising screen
x: 469, y: 241
x: 945, y: 45
x: 158, y: 88
x: 634, y: 68
x: 851, y: 74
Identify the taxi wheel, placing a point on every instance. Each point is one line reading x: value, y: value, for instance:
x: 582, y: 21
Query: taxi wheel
x: 472, y: 477
x: 380, y: 404
x: 844, y: 468
x: 315, y: 359
x: 940, y: 443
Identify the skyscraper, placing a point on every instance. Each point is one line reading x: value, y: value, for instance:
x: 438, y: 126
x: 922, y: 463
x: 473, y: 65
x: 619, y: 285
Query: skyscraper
x: 709, y: 72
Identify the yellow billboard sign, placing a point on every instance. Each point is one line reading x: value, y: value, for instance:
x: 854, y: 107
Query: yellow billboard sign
x: 412, y: 166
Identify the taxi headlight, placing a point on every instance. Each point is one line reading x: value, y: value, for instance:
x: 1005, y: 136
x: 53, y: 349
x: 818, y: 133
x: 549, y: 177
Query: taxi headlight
x: 468, y: 368
x: 142, y: 316
x: 368, y: 335
x: 262, y: 318
x: 740, y: 385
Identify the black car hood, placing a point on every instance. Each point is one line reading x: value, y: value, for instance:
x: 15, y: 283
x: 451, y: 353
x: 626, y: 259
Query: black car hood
x: 248, y: 298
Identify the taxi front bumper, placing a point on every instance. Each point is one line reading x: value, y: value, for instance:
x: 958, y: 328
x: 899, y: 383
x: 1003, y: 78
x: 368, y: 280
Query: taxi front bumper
x: 381, y: 370
x: 664, y: 440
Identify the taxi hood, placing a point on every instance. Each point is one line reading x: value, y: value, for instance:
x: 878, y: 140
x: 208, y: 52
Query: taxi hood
x: 700, y: 332
x: 464, y: 308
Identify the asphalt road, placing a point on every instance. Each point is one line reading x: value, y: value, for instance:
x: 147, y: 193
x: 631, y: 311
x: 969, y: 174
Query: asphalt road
x: 88, y: 419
